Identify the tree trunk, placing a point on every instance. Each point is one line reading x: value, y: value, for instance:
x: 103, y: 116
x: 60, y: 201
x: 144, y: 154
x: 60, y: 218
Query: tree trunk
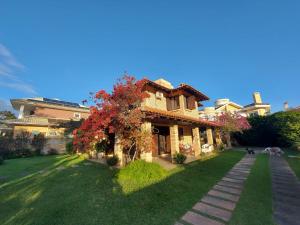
x: 134, y: 155
x: 228, y: 140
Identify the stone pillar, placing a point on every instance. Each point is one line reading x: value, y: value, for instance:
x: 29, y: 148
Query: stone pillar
x: 209, y: 135
x: 181, y: 102
x: 118, y: 151
x: 174, y: 139
x: 146, y: 154
x: 218, y: 137
x: 196, y: 141
x: 21, y: 112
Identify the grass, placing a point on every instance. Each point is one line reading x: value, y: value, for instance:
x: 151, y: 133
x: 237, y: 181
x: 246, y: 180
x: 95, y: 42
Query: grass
x: 293, y: 162
x: 95, y: 194
x: 255, y: 205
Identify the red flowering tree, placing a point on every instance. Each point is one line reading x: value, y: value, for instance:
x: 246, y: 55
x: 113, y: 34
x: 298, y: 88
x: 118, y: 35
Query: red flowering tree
x: 232, y: 122
x: 118, y: 113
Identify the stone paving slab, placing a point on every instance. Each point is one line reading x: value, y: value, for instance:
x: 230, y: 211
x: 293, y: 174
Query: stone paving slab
x: 232, y: 180
x: 284, y: 219
x: 242, y: 166
x: 228, y: 189
x: 213, y: 211
x: 282, y: 183
x: 237, y: 173
x: 230, y: 184
x: 219, y: 202
x: 241, y: 171
x: 280, y: 199
x: 285, y: 208
x: 287, y: 193
x: 197, y: 219
x: 286, y: 189
x: 236, y: 177
x: 224, y: 195
x: 289, y: 179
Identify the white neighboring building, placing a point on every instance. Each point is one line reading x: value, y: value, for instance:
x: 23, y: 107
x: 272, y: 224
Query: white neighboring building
x: 225, y: 105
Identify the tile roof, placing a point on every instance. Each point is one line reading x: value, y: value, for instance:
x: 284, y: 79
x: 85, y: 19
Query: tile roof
x: 186, y: 87
x: 173, y: 115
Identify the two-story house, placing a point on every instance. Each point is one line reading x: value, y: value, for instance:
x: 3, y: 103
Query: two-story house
x: 174, y: 121
x: 44, y: 115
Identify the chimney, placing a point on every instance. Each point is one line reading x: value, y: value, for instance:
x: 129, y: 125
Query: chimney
x: 257, y: 98
x: 286, y: 106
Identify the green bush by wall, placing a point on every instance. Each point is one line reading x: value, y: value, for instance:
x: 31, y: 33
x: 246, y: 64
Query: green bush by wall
x: 279, y: 129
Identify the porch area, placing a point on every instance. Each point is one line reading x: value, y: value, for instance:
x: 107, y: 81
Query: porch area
x: 188, y: 139
x: 174, y: 133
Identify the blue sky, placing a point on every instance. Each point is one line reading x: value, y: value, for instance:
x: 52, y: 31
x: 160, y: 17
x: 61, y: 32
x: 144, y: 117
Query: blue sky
x: 66, y: 49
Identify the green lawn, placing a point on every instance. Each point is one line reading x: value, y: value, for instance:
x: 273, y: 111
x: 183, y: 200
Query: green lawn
x: 95, y: 194
x: 255, y: 205
x: 294, y: 162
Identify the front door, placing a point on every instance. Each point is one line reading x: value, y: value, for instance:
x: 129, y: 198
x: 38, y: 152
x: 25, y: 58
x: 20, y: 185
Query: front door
x: 162, y: 144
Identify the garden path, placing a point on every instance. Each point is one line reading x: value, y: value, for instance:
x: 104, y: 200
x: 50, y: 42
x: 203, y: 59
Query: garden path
x: 286, y: 192
x: 216, y: 207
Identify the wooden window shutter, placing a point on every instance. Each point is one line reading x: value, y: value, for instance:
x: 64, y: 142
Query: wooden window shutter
x: 169, y: 106
x: 191, y: 102
x: 177, y: 104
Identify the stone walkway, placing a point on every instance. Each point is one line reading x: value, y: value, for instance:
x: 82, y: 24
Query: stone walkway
x: 217, y: 206
x: 286, y: 192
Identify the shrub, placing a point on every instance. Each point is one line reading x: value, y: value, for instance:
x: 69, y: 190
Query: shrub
x: 101, y: 146
x: 22, y: 140
x: 52, y: 151
x: 23, y: 152
x: 139, y: 174
x: 6, y: 146
x: 38, y: 142
x: 112, y: 161
x: 1, y: 160
x: 221, y: 147
x: 179, y: 158
x: 69, y: 147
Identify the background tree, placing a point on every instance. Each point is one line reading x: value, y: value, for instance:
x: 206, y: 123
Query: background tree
x: 232, y: 122
x: 116, y: 113
x: 7, y: 115
x: 279, y: 129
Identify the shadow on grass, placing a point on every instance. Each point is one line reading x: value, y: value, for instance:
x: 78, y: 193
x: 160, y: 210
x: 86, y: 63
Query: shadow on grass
x: 92, y: 194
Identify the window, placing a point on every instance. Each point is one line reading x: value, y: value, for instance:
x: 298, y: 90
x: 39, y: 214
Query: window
x: 52, y: 133
x: 180, y: 133
x: 173, y: 103
x: 185, y: 100
x: 189, y: 102
x: 77, y: 115
x: 159, y: 95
